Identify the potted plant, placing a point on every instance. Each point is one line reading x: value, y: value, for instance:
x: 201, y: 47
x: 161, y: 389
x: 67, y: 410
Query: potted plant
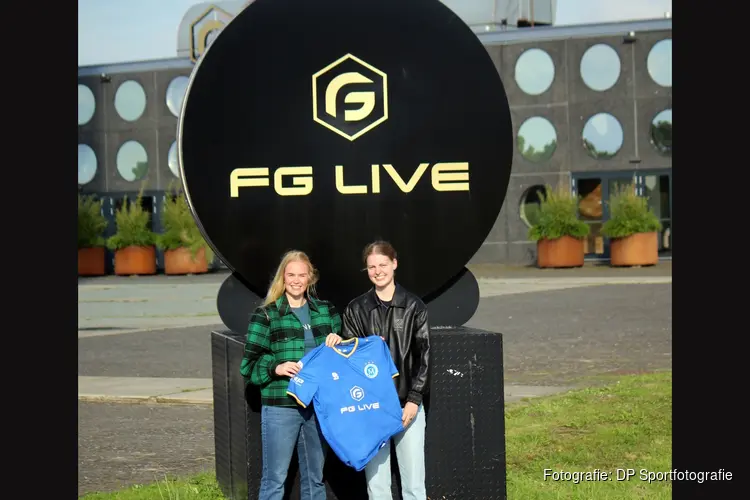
x: 185, y: 249
x: 133, y: 243
x: 632, y: 229
x: 91, y: 226
x: 558, y: 231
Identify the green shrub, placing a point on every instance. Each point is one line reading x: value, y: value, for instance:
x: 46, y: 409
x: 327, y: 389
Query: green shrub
x: 558, y: 216
x: 91, y: 222
x: 180, y: 228
x: 629, y: 214
x: 132, y: 226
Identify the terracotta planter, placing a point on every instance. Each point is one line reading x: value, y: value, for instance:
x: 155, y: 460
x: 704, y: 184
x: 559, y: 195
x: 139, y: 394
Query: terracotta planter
x: 91, y: 261
x: 135, y: 260
x: 562, y: 252
x: 180, y: 261
x: 640, y: 249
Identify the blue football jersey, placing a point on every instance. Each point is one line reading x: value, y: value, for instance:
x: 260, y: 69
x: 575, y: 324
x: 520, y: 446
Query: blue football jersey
x: 355, y: 399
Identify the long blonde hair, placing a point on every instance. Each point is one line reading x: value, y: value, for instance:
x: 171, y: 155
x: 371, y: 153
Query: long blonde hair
x: 276, y: 288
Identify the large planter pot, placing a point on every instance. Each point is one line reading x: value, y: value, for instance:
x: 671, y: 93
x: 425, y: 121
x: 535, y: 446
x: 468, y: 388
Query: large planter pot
x: 135, y: 260
x: 565, y: 251
x: 180, y: 261
x: 640, y: 249
x: 91, y: 261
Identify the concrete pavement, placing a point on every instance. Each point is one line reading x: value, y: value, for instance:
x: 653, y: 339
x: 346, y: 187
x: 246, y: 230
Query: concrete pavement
x: 199, y: 391
x: 141, y: 389
x: 113, y: 306
x: 125, y: 305
x: 494, y: 287
x: 119, y: 305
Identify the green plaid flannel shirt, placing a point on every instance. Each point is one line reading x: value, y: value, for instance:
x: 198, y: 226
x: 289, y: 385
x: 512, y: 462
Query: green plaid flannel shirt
x: 275, y: 336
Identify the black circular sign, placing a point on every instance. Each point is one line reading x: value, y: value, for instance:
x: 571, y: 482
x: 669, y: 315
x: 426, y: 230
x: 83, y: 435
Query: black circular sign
x: 324, y: 125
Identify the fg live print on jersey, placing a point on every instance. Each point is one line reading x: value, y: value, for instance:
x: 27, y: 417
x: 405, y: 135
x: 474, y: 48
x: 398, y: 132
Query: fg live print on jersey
x: 352, y: 390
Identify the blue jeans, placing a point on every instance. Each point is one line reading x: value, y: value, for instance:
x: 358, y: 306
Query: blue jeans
x: 281, y: 430
x: 410, y: 454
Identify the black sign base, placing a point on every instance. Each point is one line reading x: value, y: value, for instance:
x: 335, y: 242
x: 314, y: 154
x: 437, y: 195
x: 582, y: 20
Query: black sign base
x: 453, y: 305
x: 465, y: 441
x: 236, y: 303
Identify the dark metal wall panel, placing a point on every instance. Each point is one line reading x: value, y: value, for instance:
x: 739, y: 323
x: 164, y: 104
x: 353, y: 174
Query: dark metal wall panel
x: 244, y: 420
x: 222, y: 432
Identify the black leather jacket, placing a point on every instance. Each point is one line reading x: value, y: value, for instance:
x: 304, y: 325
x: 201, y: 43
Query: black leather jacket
x: 405, y: 328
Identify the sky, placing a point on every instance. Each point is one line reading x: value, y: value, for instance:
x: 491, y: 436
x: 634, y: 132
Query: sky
x: 113, y: 31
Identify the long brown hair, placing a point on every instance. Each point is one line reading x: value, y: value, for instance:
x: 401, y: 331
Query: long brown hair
x: 276, y: 288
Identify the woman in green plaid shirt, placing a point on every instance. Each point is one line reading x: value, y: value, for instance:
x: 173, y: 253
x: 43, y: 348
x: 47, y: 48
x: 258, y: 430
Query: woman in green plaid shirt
x: 290, y: 323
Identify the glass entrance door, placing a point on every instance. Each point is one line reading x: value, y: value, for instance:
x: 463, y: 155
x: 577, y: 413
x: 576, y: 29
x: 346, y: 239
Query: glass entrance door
x: 594, y: 190
x: 591, y: 211
x: 657, y: 187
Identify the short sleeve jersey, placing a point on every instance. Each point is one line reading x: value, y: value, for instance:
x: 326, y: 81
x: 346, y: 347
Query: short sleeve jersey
x: 355, y: 399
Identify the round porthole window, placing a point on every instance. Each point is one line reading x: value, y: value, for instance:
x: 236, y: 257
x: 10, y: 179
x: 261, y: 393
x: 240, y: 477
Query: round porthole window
x: 661, y: 132
x: 130, y: 100
x: 602, y: 136
x: 530, y: 204
x: 172, y: 160
x: 659, y: 62
x: 86, y: 104
x: 537, y: 139
x: 87, y: 164
x: 600, y: 67
x: 534, y: 72
x: 132, y: 161
x: 175, y: 94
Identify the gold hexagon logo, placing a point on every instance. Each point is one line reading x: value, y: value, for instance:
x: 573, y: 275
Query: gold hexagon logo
x: 345, y: 82
x: 205, y: 29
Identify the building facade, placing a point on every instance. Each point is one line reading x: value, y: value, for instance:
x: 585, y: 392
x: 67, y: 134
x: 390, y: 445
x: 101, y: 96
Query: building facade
x: 591, y: 107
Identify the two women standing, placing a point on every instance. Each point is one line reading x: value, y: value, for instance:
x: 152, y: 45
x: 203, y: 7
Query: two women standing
x: 290, y: 323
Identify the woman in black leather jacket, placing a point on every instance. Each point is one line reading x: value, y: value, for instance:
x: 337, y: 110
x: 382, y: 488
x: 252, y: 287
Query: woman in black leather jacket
x: 400, y: 317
